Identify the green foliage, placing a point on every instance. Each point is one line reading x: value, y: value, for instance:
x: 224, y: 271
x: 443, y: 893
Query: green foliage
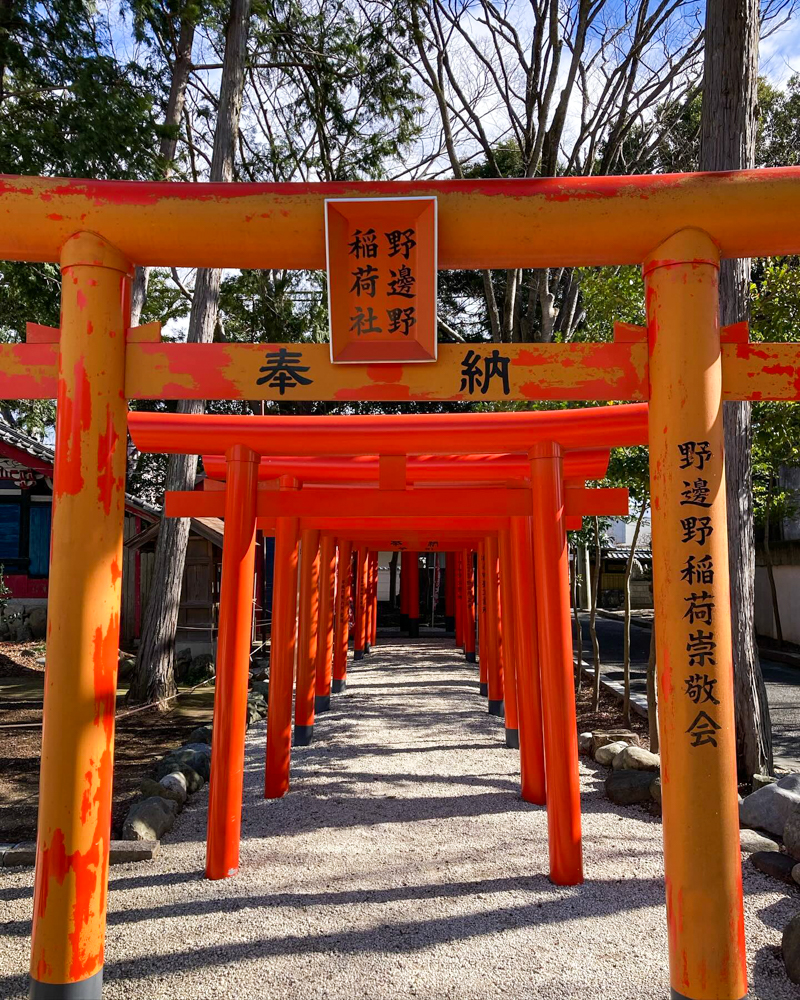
x: 340, y: 105
x: 68, y: 107
x: 610, y: 295
x: 5, y: 592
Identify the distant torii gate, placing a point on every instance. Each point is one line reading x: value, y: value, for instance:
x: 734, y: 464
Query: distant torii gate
x: 243, y: 504
x: 677, y: 226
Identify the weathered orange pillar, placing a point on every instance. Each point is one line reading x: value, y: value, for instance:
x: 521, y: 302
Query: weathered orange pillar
x: 702, y: 858
x: 509, y: 639
x: 307, y: 638
x: 327, y: 590
x: 529, y: 694
x: 282, y: 651
x: 468, y: 587
x: 413, y: 595
x: 459, y: 588
x: 369, y: 622
x: 77, y: 758
x: 233, y: 663
x: 362, y: 583
x: 450, y: 592
x: 493, y: 636
x: 344, y: 588
x: 373, y: 632
x: 551, y: 569
x: 484, y: 655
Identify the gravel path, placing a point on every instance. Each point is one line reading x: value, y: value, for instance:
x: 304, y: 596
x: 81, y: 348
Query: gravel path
x: 402, y: 864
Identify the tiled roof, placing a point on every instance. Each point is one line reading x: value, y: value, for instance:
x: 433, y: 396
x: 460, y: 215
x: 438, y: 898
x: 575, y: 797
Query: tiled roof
x: 24, y: 442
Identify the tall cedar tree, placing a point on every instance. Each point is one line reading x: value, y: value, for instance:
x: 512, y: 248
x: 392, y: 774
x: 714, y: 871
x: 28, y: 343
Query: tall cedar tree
x: 728, y: 142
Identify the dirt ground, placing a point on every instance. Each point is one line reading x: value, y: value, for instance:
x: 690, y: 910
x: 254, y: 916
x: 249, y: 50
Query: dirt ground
x: 140, y: 740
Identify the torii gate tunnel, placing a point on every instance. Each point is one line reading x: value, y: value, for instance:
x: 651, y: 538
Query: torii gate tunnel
x: 678, y: 227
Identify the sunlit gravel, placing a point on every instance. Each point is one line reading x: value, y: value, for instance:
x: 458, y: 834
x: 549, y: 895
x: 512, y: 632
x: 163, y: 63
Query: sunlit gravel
x: 401, y: 864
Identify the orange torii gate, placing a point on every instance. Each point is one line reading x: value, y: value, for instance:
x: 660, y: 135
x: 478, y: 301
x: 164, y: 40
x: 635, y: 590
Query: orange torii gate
x: 306, y: 512
x: 678, y: 227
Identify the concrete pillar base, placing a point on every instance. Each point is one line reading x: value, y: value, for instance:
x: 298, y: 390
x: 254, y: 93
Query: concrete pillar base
x: 86, y: 989
x: 483, y: 689
x: 303, y: 735
x: 496, y: 708
x: 470, y: 657
x: 450, y: 624
x: 413, y: 628
x: 404, y: 623
x: 338, y: 686
x: 322, y: 703
x: 367, y: 649
x: 358, y: 654
x: 512, y: 738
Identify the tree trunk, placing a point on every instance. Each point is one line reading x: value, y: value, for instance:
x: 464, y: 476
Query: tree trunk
x: 598, y: 560
x: 181, y: 69
x: 626, y: 628
x: 776, y: 610
x: 577, y: 620
x: 727, y: 142
x: 652, y: 693
x: 153, y: 678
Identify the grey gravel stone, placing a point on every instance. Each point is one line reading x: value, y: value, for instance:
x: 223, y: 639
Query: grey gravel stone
x: 201, y: 735
x: 752, y: 841
x: 777, y: 865
x: 791, y: 833
x: 790, y: 948
x: 606, y: 753
x: 636, y: 759
x: 199, y: 762
x: 604, y: 737
x: 769, y: 807
x: 626, y: 788
x: 655, y: 789
x: 150, y: 788
x: 194, y: 781
x: 120, y: 852
x: 762, y: 780
x: 585, y: 742
x: 149, y: 819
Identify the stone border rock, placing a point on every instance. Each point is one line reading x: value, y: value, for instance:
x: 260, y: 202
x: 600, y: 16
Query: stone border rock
x: 635, y: 772
x: 179, y: 774
x: 120, y: 852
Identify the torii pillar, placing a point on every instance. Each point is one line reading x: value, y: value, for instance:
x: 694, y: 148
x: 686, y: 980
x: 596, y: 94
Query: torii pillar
x: 691, y: 591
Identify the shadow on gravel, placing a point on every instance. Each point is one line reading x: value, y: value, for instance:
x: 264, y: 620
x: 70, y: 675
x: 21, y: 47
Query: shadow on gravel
x: 391, y: 938
x: 768, y: 973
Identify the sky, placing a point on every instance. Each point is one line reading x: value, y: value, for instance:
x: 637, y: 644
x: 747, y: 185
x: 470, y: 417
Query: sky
x: 779, y: 54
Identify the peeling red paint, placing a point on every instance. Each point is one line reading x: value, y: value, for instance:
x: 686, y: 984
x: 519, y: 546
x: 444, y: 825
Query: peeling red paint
x: 86, y: 798
x: 385, y: 373
x: 105, y: 676
x: 106, y: 447
x: 69, y: 475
